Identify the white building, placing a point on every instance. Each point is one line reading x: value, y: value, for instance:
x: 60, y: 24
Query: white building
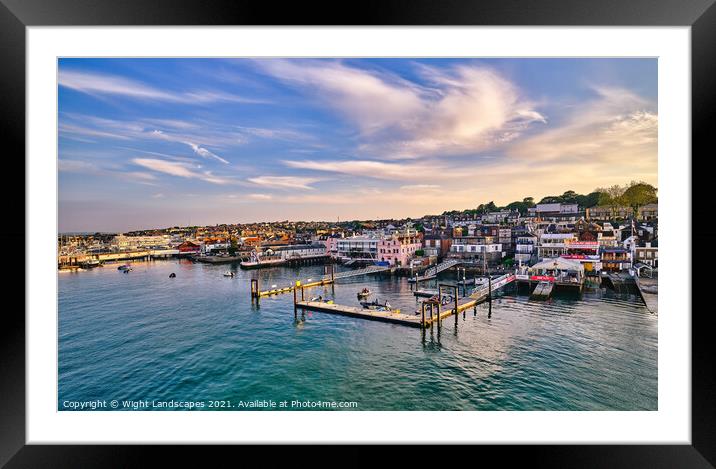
x: 554, y: 244
x: 300, y: 251
x: 477, y: 248
x: 525, y: 249
x: 128, y: 243
x: 358, y: 247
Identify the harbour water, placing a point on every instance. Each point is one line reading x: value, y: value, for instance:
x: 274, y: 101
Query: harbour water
x: 197, y: 337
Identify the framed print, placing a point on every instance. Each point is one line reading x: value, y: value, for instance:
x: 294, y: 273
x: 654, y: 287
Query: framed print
x: 435, y: 218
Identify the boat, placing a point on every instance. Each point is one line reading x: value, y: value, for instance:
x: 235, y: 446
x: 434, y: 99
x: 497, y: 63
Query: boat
x: 375, y: 305
x: 228, y: 274
x: 90, y: 263
x: 125, y: 268
x: 321, y: 300
x: 172, y: 275
x: 365, y: 293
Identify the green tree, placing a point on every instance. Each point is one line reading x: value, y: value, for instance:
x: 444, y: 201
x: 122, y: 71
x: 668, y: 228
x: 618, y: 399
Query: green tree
x: 491, y: 207
x: 639, y: 194
x: 233, y: 247
x: 551, y: 199
x: 569, y: 197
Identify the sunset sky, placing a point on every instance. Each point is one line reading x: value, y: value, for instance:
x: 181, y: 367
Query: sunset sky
x: 147, y: 143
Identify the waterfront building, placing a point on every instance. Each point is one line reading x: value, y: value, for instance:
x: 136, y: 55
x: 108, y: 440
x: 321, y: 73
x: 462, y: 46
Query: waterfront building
x: 298, y: 251
x: 358, y: 247
x: 130, y: 243
x: 398, y: 249
x: 616, y: 259
x: 504, y: 237
x: 476, y: 248
x: 211, y: 245
x: 586, y: 252
x: 437, y: 245
x: 553, y: 245
x: 525, y: 249
x: 558, y: 270
x: 331, y: 244
x: 647, y: 253
x: 187, y: 247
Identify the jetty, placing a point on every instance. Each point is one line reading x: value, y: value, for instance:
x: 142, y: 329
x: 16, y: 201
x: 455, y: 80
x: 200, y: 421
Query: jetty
x: 542, y: 291
x: 431, y: 311
x: 328, y: 278
x: 648, y: 290
x: 394, y: 316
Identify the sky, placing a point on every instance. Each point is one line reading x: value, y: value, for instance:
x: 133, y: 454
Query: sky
x: 153, y: 143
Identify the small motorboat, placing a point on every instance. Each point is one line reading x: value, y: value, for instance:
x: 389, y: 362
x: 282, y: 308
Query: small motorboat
x: 172, y: 275
x: 320, y: 299
x: 228, y: 274
x: 365, y: 293
x: 124, y: 267
x: 375, y: 305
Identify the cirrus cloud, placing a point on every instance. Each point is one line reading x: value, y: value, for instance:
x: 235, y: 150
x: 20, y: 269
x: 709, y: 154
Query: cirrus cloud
x: 460, y: 110
x: 179, y: 169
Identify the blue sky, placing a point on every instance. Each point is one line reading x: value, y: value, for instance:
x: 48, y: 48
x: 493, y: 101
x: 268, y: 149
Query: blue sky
x: 149, y: 143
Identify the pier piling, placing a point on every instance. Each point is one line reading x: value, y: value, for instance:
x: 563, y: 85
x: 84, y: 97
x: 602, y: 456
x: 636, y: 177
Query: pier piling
x: 295, y: 308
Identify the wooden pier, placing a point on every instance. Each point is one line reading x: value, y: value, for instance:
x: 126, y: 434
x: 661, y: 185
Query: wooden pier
x: 425, y: 293
x: 327, y: 279
x: 648, y: 289
x: 542, y: 291
x: 395, y: 316
x: 431, y: 311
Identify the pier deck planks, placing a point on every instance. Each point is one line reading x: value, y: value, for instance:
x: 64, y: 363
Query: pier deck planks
x: 356, y: 312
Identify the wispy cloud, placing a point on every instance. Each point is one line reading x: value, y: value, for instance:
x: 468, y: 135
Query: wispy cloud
x: 179, y: 169
x: 425, y: 187
x: 284, y: 182
x: 203, y: 152
x: 259, y: 196
x: 86, y: 167
x: 617, y: 127
x: 374, y: 169
x: 105, y: 84
x: 461, y: 110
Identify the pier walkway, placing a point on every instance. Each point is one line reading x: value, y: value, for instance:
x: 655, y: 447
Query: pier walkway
x: 478, y: 296
x: 395, y: 316
x: 542, y: 291
x: 326, y: 279
x: 648, y: 289
x: 433, y: 271
x: 371, y: 269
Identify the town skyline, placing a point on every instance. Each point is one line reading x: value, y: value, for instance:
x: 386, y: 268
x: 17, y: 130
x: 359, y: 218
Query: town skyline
x: 199, y: 142
x: 535, y: 201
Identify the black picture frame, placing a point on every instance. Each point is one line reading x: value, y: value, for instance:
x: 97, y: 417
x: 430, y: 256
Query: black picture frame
x: 16, y: 15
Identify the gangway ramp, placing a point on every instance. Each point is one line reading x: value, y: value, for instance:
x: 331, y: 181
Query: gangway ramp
x: 372, y: 269
x: 433, y: 271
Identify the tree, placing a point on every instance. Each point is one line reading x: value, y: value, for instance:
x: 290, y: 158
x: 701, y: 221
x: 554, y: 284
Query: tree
x: 233, y: 247
x: 613, y: 198
x: 490, y: 207
x: 569, y: 197
x: 639, y: 194
x: 551, y: 199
